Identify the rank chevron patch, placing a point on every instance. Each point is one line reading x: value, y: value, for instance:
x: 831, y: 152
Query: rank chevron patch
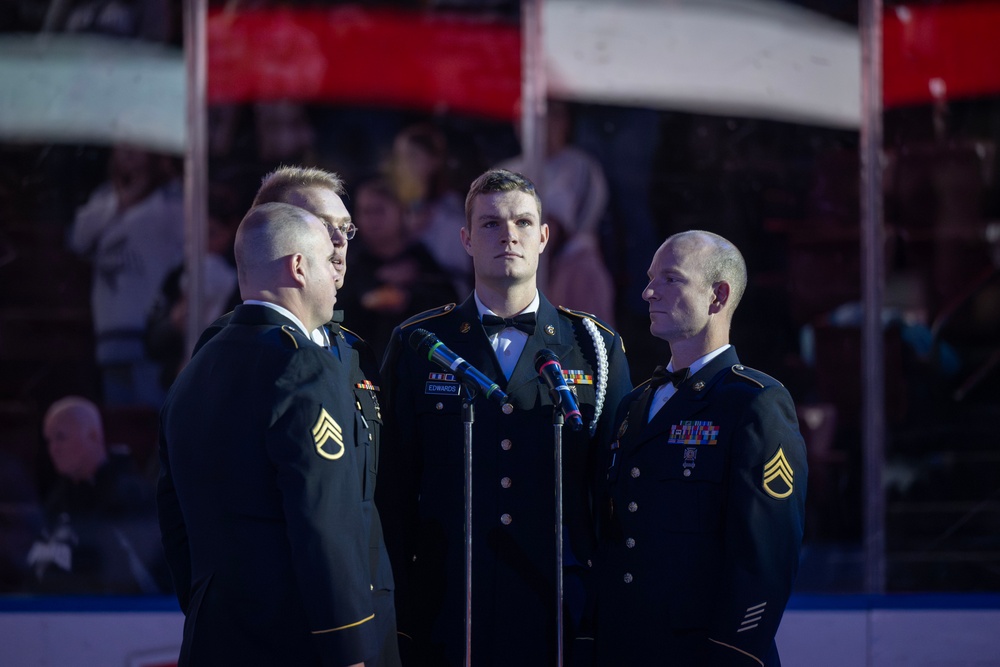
x: 328, y: 430
x: 778, y: 476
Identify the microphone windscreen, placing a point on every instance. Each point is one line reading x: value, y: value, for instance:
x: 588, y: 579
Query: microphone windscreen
x: 543, y: 357
x: 421, y: 338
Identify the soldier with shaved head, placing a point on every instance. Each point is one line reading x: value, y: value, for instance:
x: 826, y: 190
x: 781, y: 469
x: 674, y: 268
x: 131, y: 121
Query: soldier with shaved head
x: 704, y: 495
x: 261, y: 491
x: 319, y: 192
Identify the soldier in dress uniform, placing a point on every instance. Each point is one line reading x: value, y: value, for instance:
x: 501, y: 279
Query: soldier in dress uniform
x: 261, y: 503
x: 705, y: 489
x: 319, y: 192
x: 498, y: 329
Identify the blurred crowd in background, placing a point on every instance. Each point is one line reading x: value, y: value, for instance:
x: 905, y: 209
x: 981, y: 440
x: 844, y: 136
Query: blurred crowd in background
x: 93, y: 291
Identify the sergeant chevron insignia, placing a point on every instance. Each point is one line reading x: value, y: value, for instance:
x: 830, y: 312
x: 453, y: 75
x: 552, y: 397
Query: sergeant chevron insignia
x: 778, y: 476
x: 327, y: 435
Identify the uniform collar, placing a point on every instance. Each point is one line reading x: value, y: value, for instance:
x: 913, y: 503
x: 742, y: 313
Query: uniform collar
x: 701, y: 362
x: 318, y: 336
x: 484, y: 310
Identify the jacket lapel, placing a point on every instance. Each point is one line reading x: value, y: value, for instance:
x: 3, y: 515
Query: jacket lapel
x: 633, y: 428
x: 560, y: 342
x: 689, y: 400
x: 345, y: 353
x: 468, y: 340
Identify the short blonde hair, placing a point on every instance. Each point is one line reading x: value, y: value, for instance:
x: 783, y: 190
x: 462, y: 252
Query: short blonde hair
x: 277, y: 185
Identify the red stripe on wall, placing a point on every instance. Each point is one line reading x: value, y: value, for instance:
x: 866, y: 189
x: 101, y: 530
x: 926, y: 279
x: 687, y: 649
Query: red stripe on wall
x: 348, y: 54
x: 435, y: 61
x: 955, y: 44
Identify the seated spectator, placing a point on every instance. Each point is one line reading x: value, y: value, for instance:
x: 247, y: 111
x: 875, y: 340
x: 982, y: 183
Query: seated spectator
x: 573, y: 186
x: 167, y: 322
x: 392, y: 276
x: 574, y: 197
x: 284, y: 134
x: 100, y: 533
x: 132, y: 229
x: 578, y: 278
x: 434, y: 212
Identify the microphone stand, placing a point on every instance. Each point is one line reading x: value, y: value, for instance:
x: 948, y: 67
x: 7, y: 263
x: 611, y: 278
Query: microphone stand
x: 468, y: 417
x: 557, y: 428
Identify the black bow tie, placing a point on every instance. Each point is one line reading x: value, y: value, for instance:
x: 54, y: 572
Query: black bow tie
x: 662, y: 376
x: 524, y: 322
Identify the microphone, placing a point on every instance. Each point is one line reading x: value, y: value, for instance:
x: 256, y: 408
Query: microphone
x: 547, y: 365
x: 424, y: 342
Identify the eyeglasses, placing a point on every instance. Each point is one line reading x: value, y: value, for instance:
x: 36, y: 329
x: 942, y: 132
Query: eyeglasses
x: 347, y: 230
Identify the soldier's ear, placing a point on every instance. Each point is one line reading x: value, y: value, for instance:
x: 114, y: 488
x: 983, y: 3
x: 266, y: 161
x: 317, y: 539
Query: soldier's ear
x: 297, y: 268
x: 720, y: 292
x: 466, y: 238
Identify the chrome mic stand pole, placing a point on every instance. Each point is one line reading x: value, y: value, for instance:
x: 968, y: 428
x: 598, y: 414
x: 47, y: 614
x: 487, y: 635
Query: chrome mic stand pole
x: 557, y: 427
x: 468, y: 416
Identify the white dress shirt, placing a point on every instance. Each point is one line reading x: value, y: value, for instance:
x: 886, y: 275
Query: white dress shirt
x: 508, y: 343
x: 666, y: 390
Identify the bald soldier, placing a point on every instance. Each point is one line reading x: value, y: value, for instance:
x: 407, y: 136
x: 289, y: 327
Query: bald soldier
x: 260, y: 493
x: 705, y: 486
x: 319, y: 192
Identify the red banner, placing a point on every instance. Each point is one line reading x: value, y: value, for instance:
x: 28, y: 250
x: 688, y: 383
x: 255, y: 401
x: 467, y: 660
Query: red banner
x: 437, y: 61
x: 430, y: 61
x: 950, y: 49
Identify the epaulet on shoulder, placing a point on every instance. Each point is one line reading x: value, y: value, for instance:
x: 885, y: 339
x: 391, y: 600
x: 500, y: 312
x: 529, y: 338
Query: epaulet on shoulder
x: 428, y: 314
x: 353, y: 334
x: 581, y: 315
x: 759, y: 378
x: 289, y: 336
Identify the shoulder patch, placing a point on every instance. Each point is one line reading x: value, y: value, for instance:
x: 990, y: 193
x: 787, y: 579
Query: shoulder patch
x: 289, y: 336
x: 353, y: 334
x: 581, y: 315
x: 758, y: 378
x: 428, y: 314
